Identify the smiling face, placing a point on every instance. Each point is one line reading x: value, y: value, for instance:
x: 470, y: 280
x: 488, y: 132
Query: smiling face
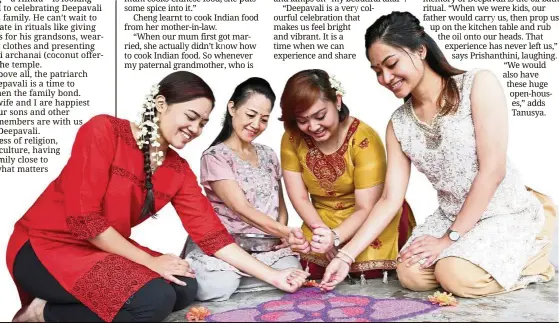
x: 182, y: 122
x: 320, y: 121
x: 250, y: 119
x: 398, y: 70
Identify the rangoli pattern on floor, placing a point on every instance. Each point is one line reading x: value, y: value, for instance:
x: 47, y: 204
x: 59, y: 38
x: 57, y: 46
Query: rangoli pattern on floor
x: 312, y: 305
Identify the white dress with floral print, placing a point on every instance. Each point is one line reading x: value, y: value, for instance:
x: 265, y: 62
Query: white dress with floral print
x: 505, y: 237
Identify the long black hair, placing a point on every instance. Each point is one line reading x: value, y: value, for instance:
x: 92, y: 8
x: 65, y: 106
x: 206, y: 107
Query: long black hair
x: 177, y: 87
x: 242, y: 93
x: 404, y: 31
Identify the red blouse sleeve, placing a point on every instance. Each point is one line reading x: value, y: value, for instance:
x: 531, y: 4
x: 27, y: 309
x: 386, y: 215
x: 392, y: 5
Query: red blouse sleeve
x: 85, y: 177
x: 198, y: 217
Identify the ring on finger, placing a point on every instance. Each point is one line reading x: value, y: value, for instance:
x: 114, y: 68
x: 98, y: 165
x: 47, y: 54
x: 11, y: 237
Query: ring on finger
x: 422, y: 261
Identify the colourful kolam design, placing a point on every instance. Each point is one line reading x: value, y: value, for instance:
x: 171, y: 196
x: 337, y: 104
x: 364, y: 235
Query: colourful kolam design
x: 313, y: 305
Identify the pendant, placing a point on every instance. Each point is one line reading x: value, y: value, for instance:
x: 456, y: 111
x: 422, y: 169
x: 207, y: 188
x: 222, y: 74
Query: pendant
x: 432, y: 134
x: 432, y: 140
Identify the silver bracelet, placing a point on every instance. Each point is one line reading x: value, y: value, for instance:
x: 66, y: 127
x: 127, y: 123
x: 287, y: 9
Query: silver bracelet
x: 345, y: 253
x: 343, y: 260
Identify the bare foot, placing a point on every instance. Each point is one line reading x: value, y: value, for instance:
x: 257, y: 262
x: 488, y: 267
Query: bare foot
x: 32, y: 313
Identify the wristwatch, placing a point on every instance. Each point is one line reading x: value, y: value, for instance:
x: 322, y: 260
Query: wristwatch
x: 336, y: 238
x: 453, y: 235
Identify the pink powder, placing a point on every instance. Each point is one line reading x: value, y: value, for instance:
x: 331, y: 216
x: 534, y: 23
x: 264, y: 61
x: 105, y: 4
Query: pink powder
x: 281, y: 316
x: 279, y: 305
x: 311, y: 306
x: 346, y: 312
x: 349, y: 301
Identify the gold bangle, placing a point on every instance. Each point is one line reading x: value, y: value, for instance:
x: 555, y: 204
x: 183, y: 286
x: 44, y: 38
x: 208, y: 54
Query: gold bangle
x: 345, y: 253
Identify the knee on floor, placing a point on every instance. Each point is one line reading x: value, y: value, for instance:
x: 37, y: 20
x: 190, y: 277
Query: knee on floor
x: 287, y: 262
x: 185, y: 295
x: 217, y: 288
x: 154, y: 302
x: 455, y: 277
x: 412, y: 278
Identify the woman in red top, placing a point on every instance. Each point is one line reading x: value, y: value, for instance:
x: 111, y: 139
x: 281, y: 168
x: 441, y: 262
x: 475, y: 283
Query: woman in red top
x: 71, y: 256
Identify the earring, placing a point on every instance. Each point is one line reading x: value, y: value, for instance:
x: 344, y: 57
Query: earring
x: 339, y: 108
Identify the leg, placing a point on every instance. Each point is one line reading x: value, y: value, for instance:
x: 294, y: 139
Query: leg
x: 152, y: 302
x: 465, y: 279
x: 283, y: 263
x: 287, y: 262
x: 216, y: 285
x: 539, y: 264
x: 186, y: 295
x: 415, y: 279
x: 462, y: 278
x: 35, y: 279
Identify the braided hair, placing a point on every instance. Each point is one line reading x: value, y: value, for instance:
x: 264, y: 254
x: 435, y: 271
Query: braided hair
x: 177, y: 87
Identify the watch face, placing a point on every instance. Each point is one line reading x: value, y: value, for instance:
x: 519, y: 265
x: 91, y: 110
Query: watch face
x: 453, y: 235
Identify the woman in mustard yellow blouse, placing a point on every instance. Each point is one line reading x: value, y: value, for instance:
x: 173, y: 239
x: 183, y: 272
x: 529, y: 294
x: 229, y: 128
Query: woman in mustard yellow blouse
x: 341, y: 163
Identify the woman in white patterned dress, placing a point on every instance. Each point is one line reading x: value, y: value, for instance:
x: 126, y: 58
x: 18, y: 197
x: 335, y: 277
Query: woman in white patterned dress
x: 242, y: 180
x: 490, y: 233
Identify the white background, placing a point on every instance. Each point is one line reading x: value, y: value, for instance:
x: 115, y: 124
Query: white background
x: 532, y: 142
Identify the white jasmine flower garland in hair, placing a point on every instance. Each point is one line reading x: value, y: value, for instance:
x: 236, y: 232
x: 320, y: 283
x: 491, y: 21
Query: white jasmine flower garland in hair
x: 337, y: 85
x: 148, y: 119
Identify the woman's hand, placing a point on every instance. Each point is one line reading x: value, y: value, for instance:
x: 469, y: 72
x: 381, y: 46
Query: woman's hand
x: 290, y: 279
x: 425, y: 249
x: 284, y: 244
x: 335, y: 273
x: 297, y: 241
x: 169, y: 266
x: 322, y: 239
x: 331, y: 254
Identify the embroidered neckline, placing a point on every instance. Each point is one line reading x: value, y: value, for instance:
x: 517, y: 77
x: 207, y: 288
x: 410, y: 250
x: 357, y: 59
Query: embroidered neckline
x: 328, y: 168
x: 258, y: 156
x: 420, y: 122
x: 123, y: 129
x: 432, y: 131
x: 342, y: 149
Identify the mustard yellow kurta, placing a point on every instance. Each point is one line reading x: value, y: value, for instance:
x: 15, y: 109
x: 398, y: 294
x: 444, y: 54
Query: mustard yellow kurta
x: 331, y: 181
